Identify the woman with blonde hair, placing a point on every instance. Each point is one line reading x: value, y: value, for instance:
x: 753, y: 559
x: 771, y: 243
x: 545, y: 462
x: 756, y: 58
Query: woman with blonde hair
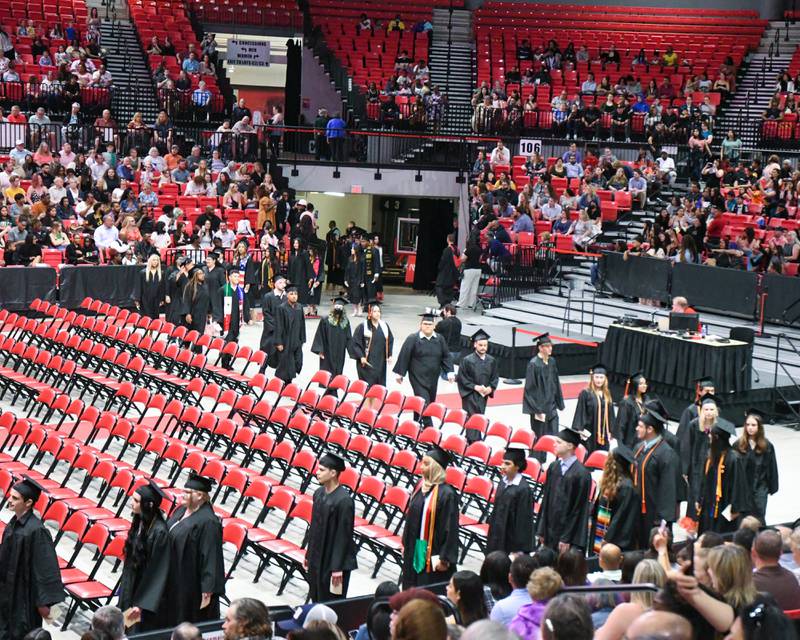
x: 430, y: 537
x: 699, y: 431
x: 233, y: 198
x: 594, y: 415
x: 151, y: 290
x: 647, y: 572
x: 543, y: 584
x: 731, y: 574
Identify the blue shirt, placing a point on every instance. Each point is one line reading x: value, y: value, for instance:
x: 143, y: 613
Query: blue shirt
x: 190, y: 66
x: 335, y: 128
x: 201, y: 97
x: 566, y: 463
x: 523, y: 223
x: 504, y: 610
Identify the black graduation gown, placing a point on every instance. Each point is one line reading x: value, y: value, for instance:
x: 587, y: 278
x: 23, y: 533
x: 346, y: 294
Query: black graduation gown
x: 696, y: 452
x: 29, y: 576
x: 196, y: 566
x: 373, y: 344
x: 235, y: 324
x: 269, y: 306
x: 317, y: 275
x: 656, y: 477
x: 682, y: 434
x: 145, y: 586
x: 542, y: 389
x: 628, y: 412
x: 198, y: 308
x: 176, y: 283
x: 586, y: 417
x: 424, y: 359
x: 332, y: 341
x: 331, y: 545
x: 511, y: 520
x: 762, y: 478
x: 150, y: 293
x: 373, y: 266
x: 735, y: 493
x: 335, y: 273
x: 445, y: 543
x: 290, y: 331
x: 299, y: 273
x: 476, y: 371
x: 564, y: 514
x: 447, y: 275
x: 625, y: 510
x: 354, y: 279
x: 450, y: 330
x: 215, y: 280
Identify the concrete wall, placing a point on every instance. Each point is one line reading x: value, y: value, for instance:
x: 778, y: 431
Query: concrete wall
x: 769, y: 9
x: 316, y: 90
x: 351, y: 207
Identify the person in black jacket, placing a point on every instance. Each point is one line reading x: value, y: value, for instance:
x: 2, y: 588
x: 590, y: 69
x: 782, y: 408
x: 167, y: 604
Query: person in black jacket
x: 289, y: 336
x: 618, y: 506
x: 630, y: 408
x: 448, y: 274
x: 234, y: 305
x: 215, y: 279
x: 151, y: 288
x: 430, y: 553
x: 354, y: 278
x: 471, y: 275
x: 250, y: 276
x: 542, y: 397
x: 450, y: 329
x: 176, y: 285
x: 145, y: 571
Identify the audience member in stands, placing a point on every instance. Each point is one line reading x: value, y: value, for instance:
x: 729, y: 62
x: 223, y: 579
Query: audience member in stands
x: 610, y: 562
x: 769, y: 576
x: 567, y: 618
x: 110, y: 621
x: 543, y: 585
x: 247, y: 618
x: 465, y: 590
x: 647, y: 572
x: 420, y: 620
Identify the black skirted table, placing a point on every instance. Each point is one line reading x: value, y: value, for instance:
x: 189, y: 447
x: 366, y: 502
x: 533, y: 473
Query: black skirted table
x: 678, y: 361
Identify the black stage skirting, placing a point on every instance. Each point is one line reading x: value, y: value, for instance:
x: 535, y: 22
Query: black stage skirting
x: 678, y: 362
x: 707, y: 288
x: 575, y: 354
x: 19, y: 286
x: 111, y: 283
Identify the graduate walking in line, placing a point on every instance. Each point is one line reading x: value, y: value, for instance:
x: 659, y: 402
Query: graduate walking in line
x: 234, y: 309
x: 594, y: 414
x: 270, y: 302
x: 290, y: 336
x: 331, y: 552
x: 511, y: 521
x: 372, y: 346
x: 332, y: 339
x: 477, y: 379
x: 424, y: 356
x: 542, y: 398
x: 761, y: 465
x: 617, y: 510
x: 30, y: 580
x: 151, y: 288
x: 630, y: 408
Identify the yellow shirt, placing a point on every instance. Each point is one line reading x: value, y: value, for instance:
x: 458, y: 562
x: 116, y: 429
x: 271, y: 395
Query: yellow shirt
x: 670, y: 58
x: 11, y: 193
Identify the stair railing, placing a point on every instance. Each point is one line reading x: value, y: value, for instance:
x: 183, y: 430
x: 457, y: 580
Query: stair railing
x: 783, y: 368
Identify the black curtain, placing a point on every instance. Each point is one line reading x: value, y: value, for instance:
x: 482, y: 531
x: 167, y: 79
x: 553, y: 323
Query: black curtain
x: 291, y: 110
x: 435, y: 222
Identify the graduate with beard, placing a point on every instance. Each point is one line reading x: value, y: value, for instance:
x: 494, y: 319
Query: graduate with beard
x: 511, y: 521
x: 234, y: 309
x: 477, y: 379
x: 655, y: 476
x: 215, y: 280
x: 424, y: 356
x: 196, y: 568
x: 30, y: 581
x: 145, y: 570
x: 617, y: 510
x: 724, y: 493
x: 372, y: 346
x: 270, y: 302
x: 565, y: 503
x: 630, y: 408
x: 542, y: 398
x: 331, y: 551
x: 430, y: 535
x: 290, y: 335
x: 332, y: 339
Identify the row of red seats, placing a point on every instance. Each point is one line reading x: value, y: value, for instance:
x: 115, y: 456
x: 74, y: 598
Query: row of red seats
x: 664, y: 12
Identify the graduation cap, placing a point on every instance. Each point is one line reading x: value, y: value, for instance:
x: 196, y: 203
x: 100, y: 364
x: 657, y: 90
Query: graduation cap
x: 480, y: 334
x: 279, y: 277
x: 517, y: 456
x: 633, y: 381
x: 725, y: 428
x: 151, y: 492
x: 28, y: 488
x: 214, y: 255
x: 340, y: 301
x: 658, y: 409
x: 569, y: 435
x: 624, y: 453
x: 752, y: 411
x: 199, y: 483
x: 429, y: 314
x: 232, y: 269
x: 599, y: 368
x: 291, y: 287
x: 704, y: 382
x: 543, y: 340
x: 710, y: 398
x: 332, y: 461
x: 442, y: 457
x: 374, y: 303
x: 651, y: 418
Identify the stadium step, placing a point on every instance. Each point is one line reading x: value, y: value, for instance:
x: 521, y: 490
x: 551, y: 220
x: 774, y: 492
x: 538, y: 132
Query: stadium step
x: 134, y: 90
x: 451, y: 63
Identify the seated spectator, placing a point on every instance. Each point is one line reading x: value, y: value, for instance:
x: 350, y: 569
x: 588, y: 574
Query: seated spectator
x: 567, y: 618
x: 647, y: 571
x: 563, y: 224
x: 769, y: 576
x: 500, y: 155
x: 551, y: 210
x: 421, y: 70
x: 637, y: 187
x: 589, y: 86
x: 669, y: 58
x: 773, y: 111
x: 610, y: 561
x: 584, y: 231
x: 543, y: 584
x: 102, y: 78
x: 106, y: 236
x: 226, y: 237
x: 207, y: 67
x: 522, y: 222
x: 395, y: 24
